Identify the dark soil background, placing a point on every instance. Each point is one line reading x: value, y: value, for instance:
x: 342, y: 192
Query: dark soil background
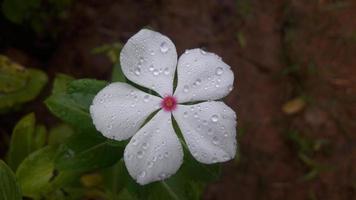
x: 278, y: 49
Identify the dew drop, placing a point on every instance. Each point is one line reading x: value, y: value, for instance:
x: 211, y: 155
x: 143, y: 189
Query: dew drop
x: 144, y: 145
x: 166, y: 71
x: 214, y: 118
x: 215, y: 140
x: 146, y: 98
x: 164, y: 47
x: 140, y: 154
x: 142, y: 174
x: 162, y: 176
x: 166, y: 154
x: 202, y: 52
x: 155, y: 72
x: 214, y: 160
x: 186, y: 51
x: 219, y: 71
x: 210, y: 131
x: 186, y: 88
x: 226, y: 157
x: 151, y: 68
x: 150, y: 164
x: 152, y: 53
x: 185, y: 114
x: 134, y: 142
x: 195, y: 115
x: 137, y: 71
x: 230, y: 88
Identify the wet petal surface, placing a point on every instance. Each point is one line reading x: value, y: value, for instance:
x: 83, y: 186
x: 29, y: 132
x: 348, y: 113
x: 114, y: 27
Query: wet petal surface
x: 149, y: 59
x: 209, y: 130
x: 155, y: 152
x: 202, y: 76
x: 120, y: 109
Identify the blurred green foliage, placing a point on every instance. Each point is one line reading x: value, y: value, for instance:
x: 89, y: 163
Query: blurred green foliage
x: 9, y: 188
x: 306, y: 149
x: 26, y: 138
x: 18, y: 84
x: 35, y: 13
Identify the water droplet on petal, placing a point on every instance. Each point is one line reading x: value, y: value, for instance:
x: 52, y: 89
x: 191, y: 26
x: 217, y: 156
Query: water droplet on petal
x: 215, y: 140
x: 152, y: 53
x: 166, y: 154
x: 230, y: 88
x: 214, y: 118
x: 142, y: 174
x: 214, y: 160
x: 166, y: 71
x: 186, y: 51
x: 137, y: 71
x: 146, y: 98
x: 140, y: 154
x: 164, y: 47
x: 186, y: 88
x: 219, y: 71
x: 144, y: 145
x: 226, y: 157
x: 162, y: 176
x: 151, y: 68
x: 202, y: 52
x: 185, y: 114
x: 150, y: 164
x: 155, y: 72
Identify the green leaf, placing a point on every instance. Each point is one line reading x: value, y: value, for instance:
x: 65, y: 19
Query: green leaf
x: 40, y: 136
x: 59, y: 134
x: 26, y: 138
x: 36, y: 171
x: 70, y: 101
x: 9, y: 188
x: 87, y: 151
x: 18, y: 84
x: 38, y: 177
x: 83, y: 91
x: 60, y: 83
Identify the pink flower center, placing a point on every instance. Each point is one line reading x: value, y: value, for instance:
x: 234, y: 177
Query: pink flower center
x: 169, y: 103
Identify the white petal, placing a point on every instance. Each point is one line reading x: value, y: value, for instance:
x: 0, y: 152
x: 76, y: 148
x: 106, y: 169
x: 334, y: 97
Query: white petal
x: 119, y: 110
x: 149, y: 59
x: 202, y: 76
x: 209, y: 130
x: 154, y: 153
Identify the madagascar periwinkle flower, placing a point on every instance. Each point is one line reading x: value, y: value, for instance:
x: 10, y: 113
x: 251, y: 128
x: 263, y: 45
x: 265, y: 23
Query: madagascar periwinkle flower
x: 208, y: 126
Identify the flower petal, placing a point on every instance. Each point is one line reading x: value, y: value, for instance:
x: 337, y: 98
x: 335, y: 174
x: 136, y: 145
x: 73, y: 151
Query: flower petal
x: 209, y: 130
x: 119, y: 110
x: 154, y: 153
x: 149, y: 59
x: 202, y: 76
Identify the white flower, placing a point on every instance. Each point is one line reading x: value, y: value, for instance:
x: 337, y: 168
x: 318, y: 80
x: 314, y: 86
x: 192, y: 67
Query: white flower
x: 154, y: 153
